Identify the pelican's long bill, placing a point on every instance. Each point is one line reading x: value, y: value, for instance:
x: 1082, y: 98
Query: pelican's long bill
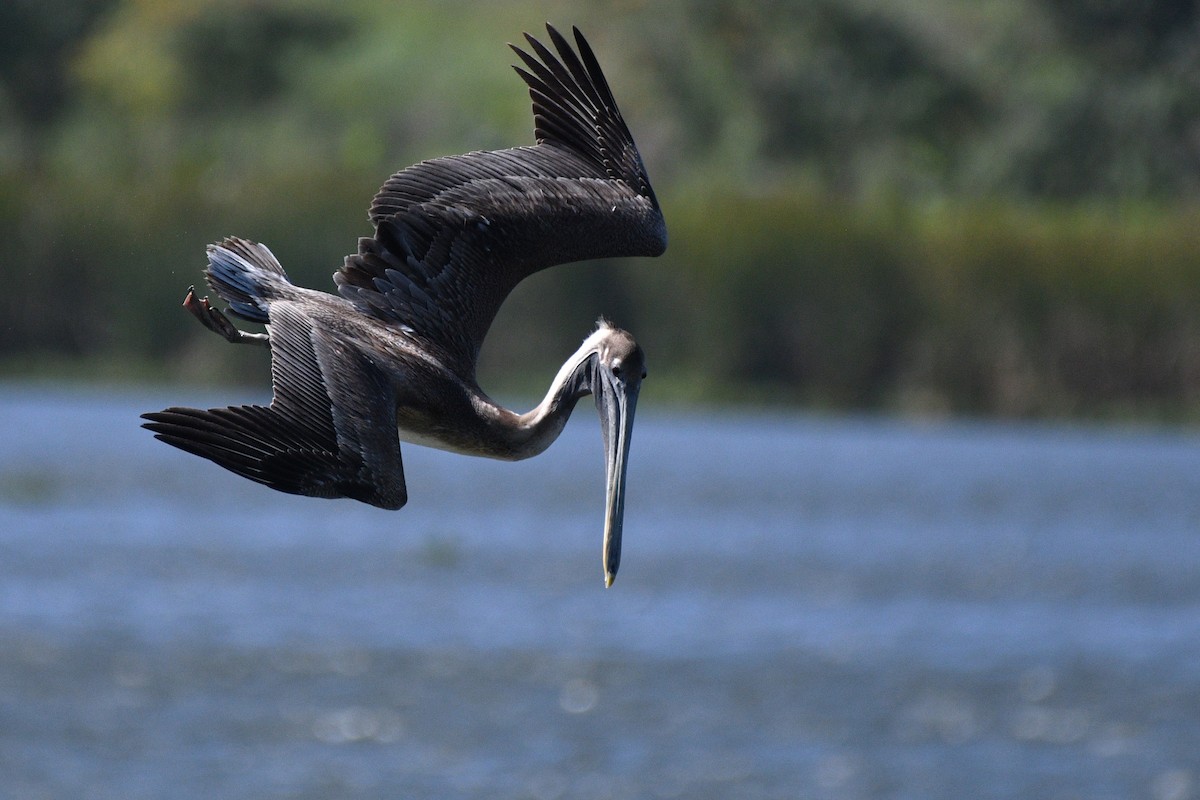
x: 616, y: 402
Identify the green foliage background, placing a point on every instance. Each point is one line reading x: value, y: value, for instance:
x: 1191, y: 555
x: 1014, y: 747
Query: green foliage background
x: 933, y: 206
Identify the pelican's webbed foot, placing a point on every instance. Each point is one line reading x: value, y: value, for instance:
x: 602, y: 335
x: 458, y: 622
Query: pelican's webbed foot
x: 216, y: 321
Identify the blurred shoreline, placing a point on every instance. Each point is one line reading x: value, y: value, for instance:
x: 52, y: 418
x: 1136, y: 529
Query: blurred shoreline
x: 932, y: 209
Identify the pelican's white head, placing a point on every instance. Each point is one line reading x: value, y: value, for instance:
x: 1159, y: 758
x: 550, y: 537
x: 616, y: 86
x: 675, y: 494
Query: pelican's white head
x: 609, y: 365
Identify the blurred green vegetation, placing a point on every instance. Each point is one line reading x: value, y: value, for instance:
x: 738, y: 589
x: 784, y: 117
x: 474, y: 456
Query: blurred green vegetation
x: 933, y: 206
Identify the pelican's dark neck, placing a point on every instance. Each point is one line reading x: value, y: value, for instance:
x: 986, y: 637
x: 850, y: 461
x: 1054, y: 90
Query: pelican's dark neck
x: 531, y: 433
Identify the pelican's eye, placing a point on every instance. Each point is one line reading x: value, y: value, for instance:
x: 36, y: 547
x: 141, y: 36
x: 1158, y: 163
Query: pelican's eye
x: 616, y: 369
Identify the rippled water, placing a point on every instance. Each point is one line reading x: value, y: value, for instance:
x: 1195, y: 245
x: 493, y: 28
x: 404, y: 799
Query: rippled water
x: 806, y: 608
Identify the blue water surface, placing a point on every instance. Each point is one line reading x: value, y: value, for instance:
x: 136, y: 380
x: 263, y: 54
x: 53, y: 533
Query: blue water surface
x: 807, y: 607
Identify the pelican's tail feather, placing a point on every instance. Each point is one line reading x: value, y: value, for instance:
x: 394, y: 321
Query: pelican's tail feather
x: 246, y: 275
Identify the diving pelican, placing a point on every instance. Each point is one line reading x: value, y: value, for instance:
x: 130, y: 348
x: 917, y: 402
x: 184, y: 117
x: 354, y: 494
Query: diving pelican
x: 392, y: 357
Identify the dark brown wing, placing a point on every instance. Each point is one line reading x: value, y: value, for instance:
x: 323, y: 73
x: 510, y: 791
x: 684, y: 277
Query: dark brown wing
x: 330, y: 430
x: 454, y: 235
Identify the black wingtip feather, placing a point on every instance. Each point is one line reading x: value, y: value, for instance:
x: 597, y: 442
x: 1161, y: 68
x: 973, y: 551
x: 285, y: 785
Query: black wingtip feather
x: 574, y: 107
x: 593, y: 68
x: 250, y: 442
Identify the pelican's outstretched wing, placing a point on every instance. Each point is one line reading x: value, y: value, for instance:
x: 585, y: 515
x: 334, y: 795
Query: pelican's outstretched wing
x: 454, y: 235
x: 330, y: 430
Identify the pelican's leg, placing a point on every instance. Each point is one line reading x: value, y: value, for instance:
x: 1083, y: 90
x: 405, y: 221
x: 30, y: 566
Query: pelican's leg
x: 217, y: 322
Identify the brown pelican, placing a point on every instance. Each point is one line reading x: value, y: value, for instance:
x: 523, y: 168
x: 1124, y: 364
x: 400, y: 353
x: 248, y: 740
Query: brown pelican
x: 397, y: 350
